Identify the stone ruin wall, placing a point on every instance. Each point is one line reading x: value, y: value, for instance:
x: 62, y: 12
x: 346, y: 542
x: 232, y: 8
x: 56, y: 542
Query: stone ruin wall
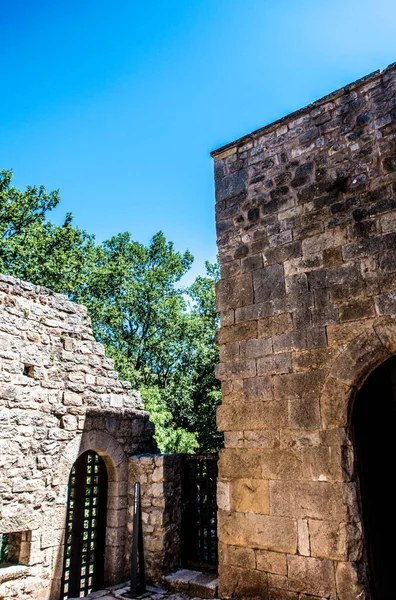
x: 306, y: 225
x: 160, y: 480
x: 59, y: 396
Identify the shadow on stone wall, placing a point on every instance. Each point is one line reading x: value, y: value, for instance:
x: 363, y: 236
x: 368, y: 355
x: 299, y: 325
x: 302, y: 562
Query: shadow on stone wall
x: 160, y: 478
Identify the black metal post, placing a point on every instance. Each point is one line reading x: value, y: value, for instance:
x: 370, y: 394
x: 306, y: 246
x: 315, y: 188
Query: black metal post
x: 138, y: 573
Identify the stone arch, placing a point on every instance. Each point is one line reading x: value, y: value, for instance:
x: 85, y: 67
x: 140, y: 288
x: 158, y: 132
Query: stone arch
x: 116, y: 462
x: 352, y: 367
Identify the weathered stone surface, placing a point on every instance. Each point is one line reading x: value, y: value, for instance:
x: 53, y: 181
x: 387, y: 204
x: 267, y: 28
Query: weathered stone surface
x: 272, y: 562
x: 311, y: 499
x: 160, y: 478
x: 250, y: 496
x: 59, y: 396
x: 275, y: 325
x: 256, y: 415
x: 268, y: 532
x: 230, y: 186
x: 265, y: 463
x: 385, y: 328
x: 234, y: 292
x: 313, y: 223
x: 304, y: 544
x: 269, y: 283
x: 237, y: 369
x: 351, y: 581
x: 238, y: 332
x: 335, y: 540
x: 334, y: 402
x: 242, y: 583
x: 238, y: 556
x: 361, y: 356
x: 258, y: 389
x: 311, y: 575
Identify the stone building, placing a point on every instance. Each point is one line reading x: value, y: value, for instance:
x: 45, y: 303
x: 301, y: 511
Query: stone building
x: 70, y: 433
x: 306, y: 226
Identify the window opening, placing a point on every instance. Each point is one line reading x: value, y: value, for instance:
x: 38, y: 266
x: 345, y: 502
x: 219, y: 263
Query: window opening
x: 28, y: 371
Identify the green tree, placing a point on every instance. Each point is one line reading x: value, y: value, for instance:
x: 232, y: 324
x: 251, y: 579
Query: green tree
x: 138, y: 311
x: 160, y: 334
x: 206, y: 392
x: 34, y: 249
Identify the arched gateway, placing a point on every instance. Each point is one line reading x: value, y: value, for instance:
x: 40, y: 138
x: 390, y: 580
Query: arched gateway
x: 374, y: 427
x: 85, y: 535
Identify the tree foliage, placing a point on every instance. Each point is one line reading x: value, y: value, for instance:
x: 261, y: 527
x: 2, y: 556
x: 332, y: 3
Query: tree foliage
x: 160, y: 334
x: 34, y: 249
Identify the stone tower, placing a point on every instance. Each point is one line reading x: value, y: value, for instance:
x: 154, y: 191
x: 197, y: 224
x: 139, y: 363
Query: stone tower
x: 306, y: 231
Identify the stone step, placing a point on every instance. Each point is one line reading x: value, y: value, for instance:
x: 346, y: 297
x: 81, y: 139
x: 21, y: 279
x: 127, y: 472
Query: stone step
x: 194, y: 583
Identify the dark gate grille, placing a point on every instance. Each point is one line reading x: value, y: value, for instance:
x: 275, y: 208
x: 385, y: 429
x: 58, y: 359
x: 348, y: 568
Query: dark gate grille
x: 85, y: 534
x: 199, y: 524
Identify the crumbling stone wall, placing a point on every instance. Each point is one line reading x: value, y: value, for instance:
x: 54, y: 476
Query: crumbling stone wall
x: 59, y: 396
x: 306, y: 225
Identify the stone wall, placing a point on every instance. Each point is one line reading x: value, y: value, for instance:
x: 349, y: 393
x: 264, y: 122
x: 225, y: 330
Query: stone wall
x: 306, y: 225
x: 59, y: 396
x: 160, y: 479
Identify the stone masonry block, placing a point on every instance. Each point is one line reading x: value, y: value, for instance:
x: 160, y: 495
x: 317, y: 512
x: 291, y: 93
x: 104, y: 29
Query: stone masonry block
x: 272, y: 562
x: 269, y: 283
x: 237, y: 369
x: 304, y: 413
x: 234, y: 292
x: 341, y: 541
x: 323, y: 241
x: 238, y: 556
x: 231, y: 185
x: 304, y: 543
x: 255, y: 416
x: 351, y: 581
x: 261, y: 463
x: 325, y: 463
x: 311, y: 575
x: 361, y: 356
x: 258, y: 531
x: 242, y: 583
x: 308, y: 500
x: 275, y: 325
x: 254, y: 311
x: 258, y: 389
x: 236, y: 333
x: 261, y: 439
x: 255, y: 348
x: 305, y: 385
x: 385, y: 328
x: 274, y: 363
x: 250, y: 496
x: 72, y: 399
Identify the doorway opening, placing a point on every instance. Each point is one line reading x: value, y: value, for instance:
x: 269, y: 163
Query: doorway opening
x: 85, y: 535
x: 374, y: 426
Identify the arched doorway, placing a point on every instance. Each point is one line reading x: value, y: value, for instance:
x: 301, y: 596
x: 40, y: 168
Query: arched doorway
x: 374, y: 425
x: 85, y: 535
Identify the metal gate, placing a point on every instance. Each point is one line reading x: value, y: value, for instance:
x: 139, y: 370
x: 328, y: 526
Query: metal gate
x: 85, y: 536
x: 199, y: 521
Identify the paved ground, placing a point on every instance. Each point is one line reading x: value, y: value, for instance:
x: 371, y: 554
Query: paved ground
x: 152, y: 593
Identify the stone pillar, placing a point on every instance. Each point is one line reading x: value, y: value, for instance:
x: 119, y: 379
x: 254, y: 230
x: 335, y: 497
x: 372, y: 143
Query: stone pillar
x: 160, y: 481
x: 306, y: 231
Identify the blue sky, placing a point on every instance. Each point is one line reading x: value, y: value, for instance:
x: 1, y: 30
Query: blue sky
x: 118, y: 104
